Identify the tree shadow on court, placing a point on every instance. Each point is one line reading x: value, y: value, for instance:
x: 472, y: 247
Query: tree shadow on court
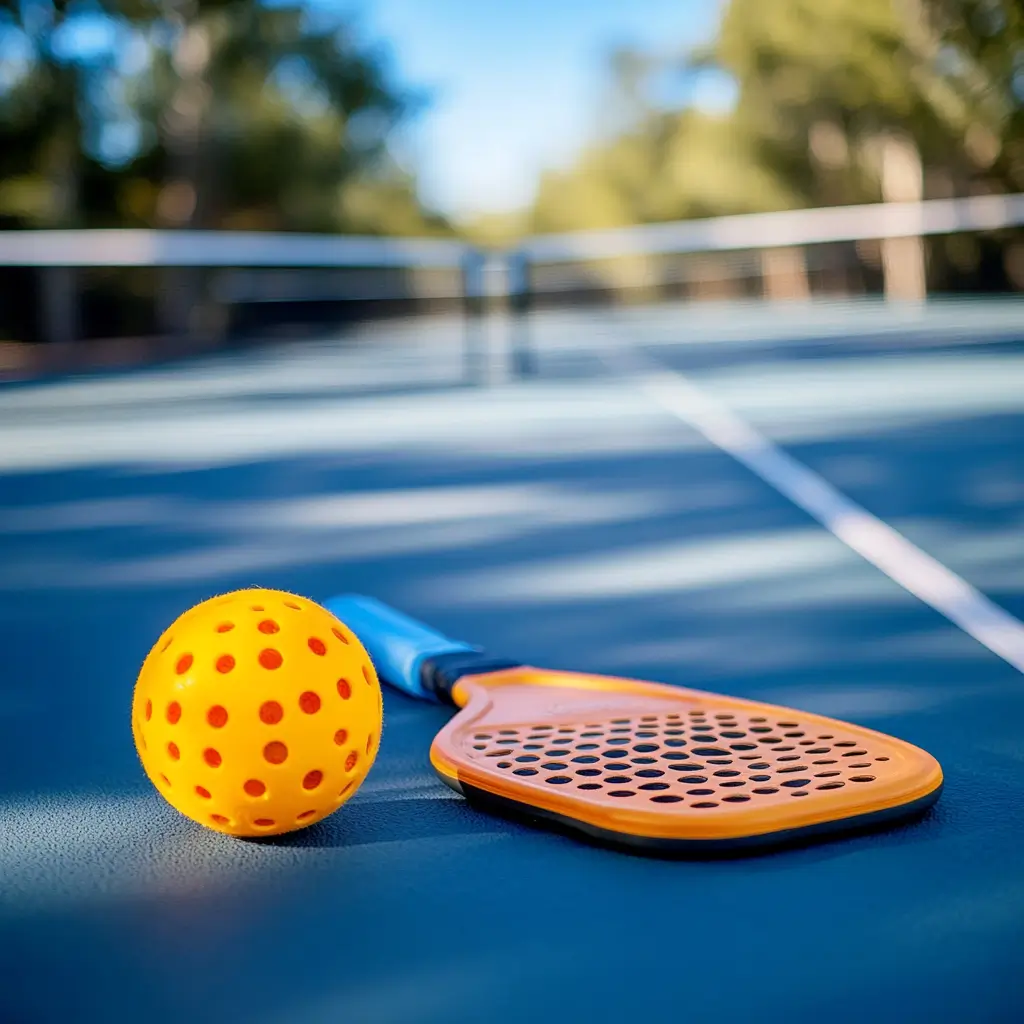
x: 661, y: 560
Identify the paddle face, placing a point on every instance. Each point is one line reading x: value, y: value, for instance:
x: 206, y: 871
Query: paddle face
x: 652, y: 765
x: 638, y: 763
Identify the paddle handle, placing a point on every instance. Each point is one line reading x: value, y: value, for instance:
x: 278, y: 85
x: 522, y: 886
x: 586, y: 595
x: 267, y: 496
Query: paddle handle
x: 408, y: 654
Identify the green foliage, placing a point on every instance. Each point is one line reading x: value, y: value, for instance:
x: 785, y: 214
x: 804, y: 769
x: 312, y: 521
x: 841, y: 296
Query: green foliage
x: 820, y: 84
x: 985, y: 61
x: 216, y: 114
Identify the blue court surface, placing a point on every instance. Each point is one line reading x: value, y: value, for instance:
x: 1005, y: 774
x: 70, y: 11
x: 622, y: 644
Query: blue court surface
x: 568, y: 520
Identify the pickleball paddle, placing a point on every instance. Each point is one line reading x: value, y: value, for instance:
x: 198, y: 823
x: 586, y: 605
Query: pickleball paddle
x: 641, y: 763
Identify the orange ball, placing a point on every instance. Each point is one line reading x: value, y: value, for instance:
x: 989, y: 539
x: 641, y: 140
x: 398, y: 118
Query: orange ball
x: 257, y: 712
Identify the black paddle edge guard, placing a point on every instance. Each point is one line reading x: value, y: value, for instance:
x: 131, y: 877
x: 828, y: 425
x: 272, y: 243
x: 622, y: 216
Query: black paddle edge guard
x: 693, y: 849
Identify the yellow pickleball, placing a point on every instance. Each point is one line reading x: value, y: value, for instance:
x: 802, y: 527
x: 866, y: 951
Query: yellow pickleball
x: 257, y: 712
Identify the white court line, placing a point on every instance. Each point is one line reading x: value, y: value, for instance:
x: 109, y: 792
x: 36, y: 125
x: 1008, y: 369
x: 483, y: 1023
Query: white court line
x: 874, y: 540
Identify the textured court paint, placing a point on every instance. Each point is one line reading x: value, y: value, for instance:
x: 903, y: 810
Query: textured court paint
x: 874, y: 540
x: 115, y: 907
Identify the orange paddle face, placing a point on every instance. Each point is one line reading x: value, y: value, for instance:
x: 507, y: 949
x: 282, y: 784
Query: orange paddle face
x: 659, y: 766
x: 639, y: 763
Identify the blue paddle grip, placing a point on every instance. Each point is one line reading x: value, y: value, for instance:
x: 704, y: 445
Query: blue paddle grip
x: 397, y: 644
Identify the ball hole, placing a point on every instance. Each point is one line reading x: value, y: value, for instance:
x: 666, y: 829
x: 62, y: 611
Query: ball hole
x: 345, y: 788
x: 309, y: 702
x: 338, y: 633
x: 369, y: 742
x: 225, y: 663
x: 220, y: 819
x: 264, y: 823
x: 173, y: 712
x: 172, y: 751
x: 270, y: 658
x: 203, y: 792
x: 169, y: 641
x: 340, y: 737
x: 368, y: 675
x: 312, y: 779
x: 271, y: 712
x: 275, y: 752
x: 344, y: 689
x: 254, y: 787
x: 258, y: 608
x: 305, y: 814
x: 350, y: 761
x: 184, y: 664
x: 293, y: 605
x: 166, y: 781
x: 212, y: 757
x: 317, y: 646
x: 268, y: 626
x: 149, y: 710
x: 225, y: 627
x: 217, y: 716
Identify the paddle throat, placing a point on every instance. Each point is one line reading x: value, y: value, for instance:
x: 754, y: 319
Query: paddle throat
x: 440, y: 672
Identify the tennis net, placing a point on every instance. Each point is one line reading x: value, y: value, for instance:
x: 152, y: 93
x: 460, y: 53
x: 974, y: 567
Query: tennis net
x: 904, y: 251
x: 69, y: 285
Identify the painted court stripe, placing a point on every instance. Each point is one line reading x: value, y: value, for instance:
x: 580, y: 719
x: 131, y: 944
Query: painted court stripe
x: 866, y: 534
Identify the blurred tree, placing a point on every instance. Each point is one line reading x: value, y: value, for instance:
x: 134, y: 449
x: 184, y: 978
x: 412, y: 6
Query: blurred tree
x: 175, y: 113
x: 40, y: 97
x: 837, y: 101
x: 982, y: 53
x: 669, y: 166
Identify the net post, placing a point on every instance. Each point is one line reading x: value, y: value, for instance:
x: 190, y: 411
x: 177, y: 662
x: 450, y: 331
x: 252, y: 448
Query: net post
x: 58, y: 305
x: 177, y: 298
x: 473, y: 307
x: 519, y: 298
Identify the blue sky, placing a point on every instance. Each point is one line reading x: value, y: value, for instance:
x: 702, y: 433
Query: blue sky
x: 517, y: 84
